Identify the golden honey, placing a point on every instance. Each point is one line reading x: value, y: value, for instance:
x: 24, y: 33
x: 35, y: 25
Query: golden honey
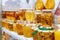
x: 12, y: 16
x: 5, y: 23
x: 29, y: 14
x: 46, y: 35
x: 27, y: 31
x: 50, y: 4
x: 57, y: 35
x: 39, y: 5
x: 10, y: 25
x: 44, y: 18
x: 14, y: 27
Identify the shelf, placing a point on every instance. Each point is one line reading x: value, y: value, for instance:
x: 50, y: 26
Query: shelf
x: 15, y: 35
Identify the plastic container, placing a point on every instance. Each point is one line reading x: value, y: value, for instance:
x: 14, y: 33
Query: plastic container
x: 29, y: 14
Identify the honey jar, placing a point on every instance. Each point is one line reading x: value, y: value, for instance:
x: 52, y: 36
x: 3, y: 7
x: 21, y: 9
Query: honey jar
x: 19, y: 27
x: 29, y: 14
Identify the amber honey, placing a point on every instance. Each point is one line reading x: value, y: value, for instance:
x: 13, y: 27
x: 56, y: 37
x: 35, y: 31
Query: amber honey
x: 10, y: 25
x: 12, y: 15
x: 46, y: 35
x: 3, y: 14
x: 14, y: 27
x: 21, y: 14
x: 39, y: 5
x: 7, y: 15
x: 19, y: 27
x: 36, y: 36
x: 5, y: 23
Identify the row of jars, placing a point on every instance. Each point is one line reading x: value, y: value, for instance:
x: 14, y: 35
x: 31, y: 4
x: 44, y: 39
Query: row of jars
x: 45, y: 17
x: 31, y: 30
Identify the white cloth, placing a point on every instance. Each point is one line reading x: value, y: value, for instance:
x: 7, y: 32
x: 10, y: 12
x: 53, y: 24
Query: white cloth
x: 25, y: 5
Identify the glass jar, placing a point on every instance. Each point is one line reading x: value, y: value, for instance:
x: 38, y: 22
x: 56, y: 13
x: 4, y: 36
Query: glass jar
x: 39, y: 5
x: 46, y: 34
x: 12, y: 15
x: 3, y: 14
x: 21, y: 14
x: 45, y: 18
x: 7, y: 15
x: 49, y: 18
x: 36, y: 36
x: 50, y: 4
x: 29, y: 14
x: 19, y: 27
x: 37, y: 16
x: 35, y: 32
x: 10, y: 25
x: 14, y: 27
x: 27, y: 31
x: 57, y: 34
x: 17, y: 15
x: 5, y: 23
